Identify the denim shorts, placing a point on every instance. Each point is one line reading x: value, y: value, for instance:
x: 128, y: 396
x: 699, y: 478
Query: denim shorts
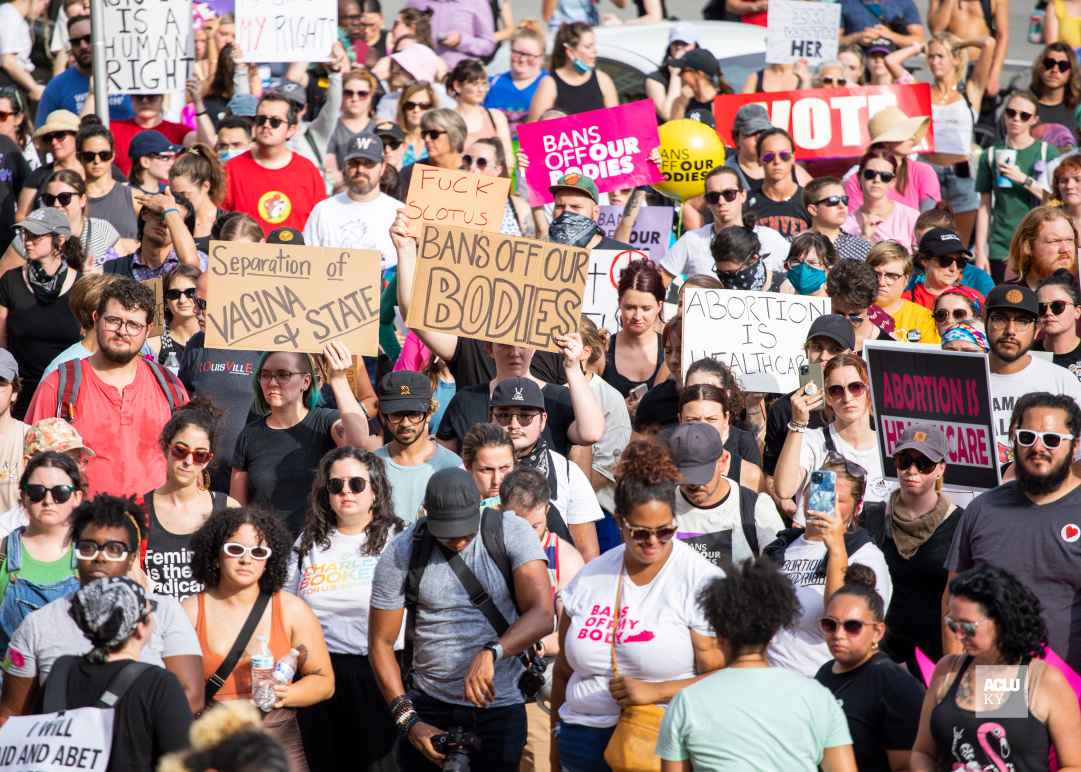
x: 957, y: 192
x: 581, y: 748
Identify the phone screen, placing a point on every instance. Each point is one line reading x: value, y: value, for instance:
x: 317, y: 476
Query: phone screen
x: 823, y: 493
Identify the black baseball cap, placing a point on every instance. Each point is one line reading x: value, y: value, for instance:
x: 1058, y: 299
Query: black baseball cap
x: 942, y: 241
x: 1012, y: 297
x: 290, y: 236
x: 695, y: 449
x: 835, y: 327
x: 517, y: 392
x: 452, y: 504
x: 697, y: 59
x: 405, y: 391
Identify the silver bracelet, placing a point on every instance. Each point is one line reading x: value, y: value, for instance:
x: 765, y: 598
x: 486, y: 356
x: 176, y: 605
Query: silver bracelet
x: 796, y: 427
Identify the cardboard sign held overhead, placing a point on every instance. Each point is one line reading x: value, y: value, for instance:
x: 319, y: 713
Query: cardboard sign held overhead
x: 802, y: 30
x: 601, y: 300
x: 272, y: 297
x: 497, y: 288
x: 148, y: 46
x: 286, y: 30
x: 456, y: 198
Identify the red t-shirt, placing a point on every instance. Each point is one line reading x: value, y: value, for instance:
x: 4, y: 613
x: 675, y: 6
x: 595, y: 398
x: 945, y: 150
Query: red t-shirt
x: 122, y: 428
x: 124, y: 131
x: 276, y: 198
x: 920, y: 296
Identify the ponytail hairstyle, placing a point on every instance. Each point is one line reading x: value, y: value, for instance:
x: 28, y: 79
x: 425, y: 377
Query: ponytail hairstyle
x: 645, y: 473
x: 595, y: 338
x: 200, y: 164
x: 860, y: 582
x: 90, y: 126
x: 567, y: 36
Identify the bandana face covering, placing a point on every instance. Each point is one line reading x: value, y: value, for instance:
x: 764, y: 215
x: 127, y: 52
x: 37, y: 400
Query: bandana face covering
x: 753, y: 277
x: 573, y: 229
x: 46, y: 288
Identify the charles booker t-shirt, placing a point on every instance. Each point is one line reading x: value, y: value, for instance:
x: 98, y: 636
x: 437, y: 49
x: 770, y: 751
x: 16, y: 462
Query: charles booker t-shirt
x: 654, y: 638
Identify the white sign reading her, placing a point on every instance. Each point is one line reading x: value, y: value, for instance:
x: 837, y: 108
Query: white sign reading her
x: 759, y: 336
x: 802, y: 30
x: 148, y: 45
x: 55, y: 742
x: 286, y: 30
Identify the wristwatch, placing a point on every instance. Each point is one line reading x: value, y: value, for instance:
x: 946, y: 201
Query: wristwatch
x: 495, y: 648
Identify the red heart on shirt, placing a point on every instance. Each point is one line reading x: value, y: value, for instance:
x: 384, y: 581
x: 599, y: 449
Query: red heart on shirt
x: 1071, y: 532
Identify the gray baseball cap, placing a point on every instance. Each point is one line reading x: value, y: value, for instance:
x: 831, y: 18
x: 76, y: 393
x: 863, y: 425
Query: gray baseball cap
x: 750, y: 119
x: 9, y: 368
x: 47, y: 219
x: 452, y: 504
x: 924, y: 438
x: 364, y: 145
x: 695, y: 449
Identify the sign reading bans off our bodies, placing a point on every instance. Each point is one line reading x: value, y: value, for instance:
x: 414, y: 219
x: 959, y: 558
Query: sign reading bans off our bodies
x: 759, y: 336
x: 148, y: 45
x: 497, y: 288
x: 272, y: 297
x: 950, y: 389
x: 286, y: 30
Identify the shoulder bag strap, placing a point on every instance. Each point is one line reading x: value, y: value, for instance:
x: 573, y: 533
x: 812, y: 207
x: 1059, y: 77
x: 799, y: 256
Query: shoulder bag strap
x: 217, y: 680
x: 56, y: 685
x: 491, y: 534
x: 478, y: 596
x: 121, y: 682
x: 167, y: 382
x: 827, y: 436
x: 615, y: 618
x: 747, y: 501
x: 419, y: 554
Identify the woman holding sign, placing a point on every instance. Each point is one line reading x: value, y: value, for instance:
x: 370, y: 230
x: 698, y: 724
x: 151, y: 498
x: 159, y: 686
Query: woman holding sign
x: 574, y: 84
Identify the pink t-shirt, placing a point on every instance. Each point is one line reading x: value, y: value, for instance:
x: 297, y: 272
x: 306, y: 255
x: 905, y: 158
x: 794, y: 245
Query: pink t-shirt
x: 899, y: 226
x: 922, y: 185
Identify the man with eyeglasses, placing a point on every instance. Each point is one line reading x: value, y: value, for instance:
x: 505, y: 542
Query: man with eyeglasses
x: 725, y: 196
x: 360, y: 216
x: 518, y: 405
x: 122, y: 400
x: 1031, y: 526
x: 410, y: 456
x: 827, y: 205
x: 1010, y: 319
x: 68, y: 90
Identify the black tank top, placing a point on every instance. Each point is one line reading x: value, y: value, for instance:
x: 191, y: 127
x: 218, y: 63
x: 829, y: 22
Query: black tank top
x: 168, y: 557
x: 989, y: 738
x: 617, y: 380
x: 578, y: 99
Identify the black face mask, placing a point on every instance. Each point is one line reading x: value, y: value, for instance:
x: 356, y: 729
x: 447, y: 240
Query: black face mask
x: 753, y: 277
x: 573, y: 229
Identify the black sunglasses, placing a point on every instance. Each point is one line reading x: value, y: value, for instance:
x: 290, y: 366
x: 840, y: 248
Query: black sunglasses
x: 76, y: 42
x: 1063, y: 65
x: 391, y: 144
x: 337, y: 485
x: 1011, y: 113
x: 408, y: 106
x: 947, y: 260
x: 175, y: 294
x: 481, y: 163
x: 713, y: 197
x: 56, y: 136
x: 832, y: 201
x: 274, y: 121
x: 905, y: 460
x: 60, y: 493
x: 62, y: 198
x: 886, y: 177
x: 433, y: 134
x: 943, y: 315
x: 1056, y: 307
x: 89, y: 156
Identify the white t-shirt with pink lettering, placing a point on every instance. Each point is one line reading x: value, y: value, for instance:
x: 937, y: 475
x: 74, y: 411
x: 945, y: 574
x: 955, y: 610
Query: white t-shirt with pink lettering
x: 654, y: 641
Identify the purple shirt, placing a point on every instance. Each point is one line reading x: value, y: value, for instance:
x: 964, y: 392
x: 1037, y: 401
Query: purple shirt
x: 471, y: 19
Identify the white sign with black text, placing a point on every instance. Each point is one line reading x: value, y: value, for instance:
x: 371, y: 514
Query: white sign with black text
x: 802, y: 31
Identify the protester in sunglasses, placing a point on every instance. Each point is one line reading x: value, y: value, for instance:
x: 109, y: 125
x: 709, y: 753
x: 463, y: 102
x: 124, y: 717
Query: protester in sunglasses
x: 892, y: 264
x: 879, y: 218
x: 779, y: 202
x: 891, y: 129
x: 739, y: 262
x: 955, y: 305
x: 107, y: 197
x: 181, y: 315
x: 240, y: 554
x: 57, y: 138
x: 943, y: 263
x: 180, y: 506
x: 152, y: 157
x: 1059, y: 306
x: 1044, y: 242
x: 65, y: 190
x: 416, y: 100
x: 1002, y: 633
x: 350, y: 521
x: 881, y: 700
x: 1056, y: 82
x: 827, y: 206
x: 832, y: 75
x: 444, y: 132
x: 587, y: 693
x: 816, y: 557
x: 359, y: 89
x: 849, y: 433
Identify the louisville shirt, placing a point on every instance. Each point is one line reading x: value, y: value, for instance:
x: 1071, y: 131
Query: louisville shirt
x: 276, y: 198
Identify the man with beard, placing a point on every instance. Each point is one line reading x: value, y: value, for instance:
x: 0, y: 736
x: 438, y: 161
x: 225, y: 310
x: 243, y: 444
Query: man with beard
x: 576, y: 214
x: 360, y: 216
x: 720, y: 518
x: 68, y: 90
x: 411, y: 457
x: 1031, y: 526
x: 518, y: 405
x: 1010, y: 318
x: 117, y: 400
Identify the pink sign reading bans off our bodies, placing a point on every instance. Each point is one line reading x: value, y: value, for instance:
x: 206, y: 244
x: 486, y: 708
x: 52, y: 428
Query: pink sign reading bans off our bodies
x: 610, y: 146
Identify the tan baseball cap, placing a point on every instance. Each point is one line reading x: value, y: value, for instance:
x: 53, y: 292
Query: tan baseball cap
x: 53, y: 434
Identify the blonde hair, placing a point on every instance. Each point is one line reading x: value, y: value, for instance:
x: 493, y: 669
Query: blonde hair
x: 1020, y: 258
x: 952, y: 44
x: 887, y: 252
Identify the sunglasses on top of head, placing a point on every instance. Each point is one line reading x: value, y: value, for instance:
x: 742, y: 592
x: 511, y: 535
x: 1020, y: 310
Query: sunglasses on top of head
x: 1063, y: 65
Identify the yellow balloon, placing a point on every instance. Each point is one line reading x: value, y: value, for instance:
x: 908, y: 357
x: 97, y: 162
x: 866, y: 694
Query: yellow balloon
x: 689, y: 150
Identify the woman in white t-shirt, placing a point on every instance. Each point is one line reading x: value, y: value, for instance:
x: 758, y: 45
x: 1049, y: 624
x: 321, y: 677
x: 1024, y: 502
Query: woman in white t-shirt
x: 646, y: 592
x: 848, y: 399
x: 349, y: 523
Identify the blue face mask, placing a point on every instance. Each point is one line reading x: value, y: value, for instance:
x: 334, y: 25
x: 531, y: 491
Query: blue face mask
x: 806, y: 278
x: 225, y: 155
x: 581, y: 66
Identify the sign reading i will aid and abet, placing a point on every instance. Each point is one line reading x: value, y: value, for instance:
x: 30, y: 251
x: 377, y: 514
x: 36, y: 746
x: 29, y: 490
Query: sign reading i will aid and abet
x: 759, y: 336
x: 148, y: 45
x: 802, y: 30
x: 502, y: 289
x: 611, y: 146
x: 273, y: 297
x: 457, y: 198
x: 286, y: 30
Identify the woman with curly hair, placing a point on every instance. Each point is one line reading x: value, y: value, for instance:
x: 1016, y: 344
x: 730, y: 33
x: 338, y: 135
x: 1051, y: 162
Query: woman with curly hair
x: 242, y: 558
x: 649, y: 583
x: 230, y: 736
x: 999, y: 623
x: 751, y: 715
x: 350, y: 521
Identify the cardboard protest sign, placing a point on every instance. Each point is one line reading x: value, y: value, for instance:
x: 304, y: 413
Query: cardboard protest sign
x: 828, y: 122
x: 155, y: 285
x: 456, y: 198
x: 148, y: 46
x: 651, y: 232
x: 286, y: 30
x: 497, y: 288
x: 57, y: 742
x: 273, y: 297
x: 802, y: 30
x: 759, y: 336
x: 601, y: 300
x: 950, y: 389
x: 610, y: 146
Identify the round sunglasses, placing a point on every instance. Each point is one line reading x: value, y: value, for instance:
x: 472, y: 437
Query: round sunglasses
x: 60, y: 198
x: 943, y: 315
x: 60, y: 493
x: 337, y: 485
x: 112, y: 551
x: 258, y: 552
x: 1055, y: 307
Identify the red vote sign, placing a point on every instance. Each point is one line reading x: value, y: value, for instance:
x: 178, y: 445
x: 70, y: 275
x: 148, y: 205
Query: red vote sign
x: 828, y: 122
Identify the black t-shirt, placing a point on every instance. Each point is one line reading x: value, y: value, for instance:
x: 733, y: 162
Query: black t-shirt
x: 281, y: 462
x: 777, y: 418
x: 1059, y: 113
x: 700, y: 111
x: 472, y: 366
x: 151, y: 719
x: 168, y: 557
x: 1071, y: 360
x: 882, y: 704
x: 788, y: 217
x: 469, y: 406
x: 14, y: 171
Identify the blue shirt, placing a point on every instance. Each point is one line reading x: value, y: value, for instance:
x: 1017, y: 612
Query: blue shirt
x: 513, y: 101
x: 858, y: 15
x: 68, y: 90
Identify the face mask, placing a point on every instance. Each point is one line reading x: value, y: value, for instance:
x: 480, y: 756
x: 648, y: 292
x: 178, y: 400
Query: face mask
x: 573, y: 229
x: 806, y: 278
x: 752, y: 277
x: 581, y: 66
x: 229, y: 152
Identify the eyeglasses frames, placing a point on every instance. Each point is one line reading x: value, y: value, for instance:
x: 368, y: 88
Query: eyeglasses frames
x: 470, y: 162
x: 1055, y: 307
x: 1018, y: 114
x: 349, y: 93
x: 411, y: 106
x: 966, y: 629
x: 1026, y: 438
x: 112, y: 551
x: 852, y: 627
x: 832, y: 201
x: 856, y: 389
x: 234, y: 550
x: 274, y: 121
x: 281, y: 376
x: 506, y: 417
x: 943, y: 315
x: 784, y: 156
x: 432, y: 134
x: 337, y: 485
x: 642, y: 535
x: 947, y: 260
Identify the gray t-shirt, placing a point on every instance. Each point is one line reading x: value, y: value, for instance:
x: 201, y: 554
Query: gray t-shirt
x: 408, y: 483
x: 450, y: 630
x: 50, y: 633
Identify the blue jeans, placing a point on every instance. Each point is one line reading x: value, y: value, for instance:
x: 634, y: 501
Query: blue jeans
x: 581, y: 748
x: 502, y: 733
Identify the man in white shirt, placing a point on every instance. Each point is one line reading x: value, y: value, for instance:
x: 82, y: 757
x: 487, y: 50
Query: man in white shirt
x: 725, y: 197
x: 718, y: 517
x: 1010, y: 318
x: 360, y: 216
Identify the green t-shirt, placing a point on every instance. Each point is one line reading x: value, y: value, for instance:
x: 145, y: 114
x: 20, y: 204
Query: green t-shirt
x: 750, y: 719
x: 1011, y: 202
x: 38, y: 572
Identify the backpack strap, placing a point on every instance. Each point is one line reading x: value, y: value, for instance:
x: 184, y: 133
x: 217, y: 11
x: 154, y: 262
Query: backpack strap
x: 747, y: 500
x: 169, y: 383
x: 56, y: 685
x: 491, y: 533
x: 121, y: 682
x: 67, y: 392
x: 420, y: 553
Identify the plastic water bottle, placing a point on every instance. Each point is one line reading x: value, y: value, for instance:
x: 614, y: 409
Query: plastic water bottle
x: 262, y: 675
x: 172, y: 364
x: 286, y: 668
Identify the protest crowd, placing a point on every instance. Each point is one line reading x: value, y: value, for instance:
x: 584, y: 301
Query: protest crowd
x: 413, y: 393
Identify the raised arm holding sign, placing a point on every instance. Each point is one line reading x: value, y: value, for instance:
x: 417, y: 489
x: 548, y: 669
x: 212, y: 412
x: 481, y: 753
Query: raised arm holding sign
x: 457, y: 198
